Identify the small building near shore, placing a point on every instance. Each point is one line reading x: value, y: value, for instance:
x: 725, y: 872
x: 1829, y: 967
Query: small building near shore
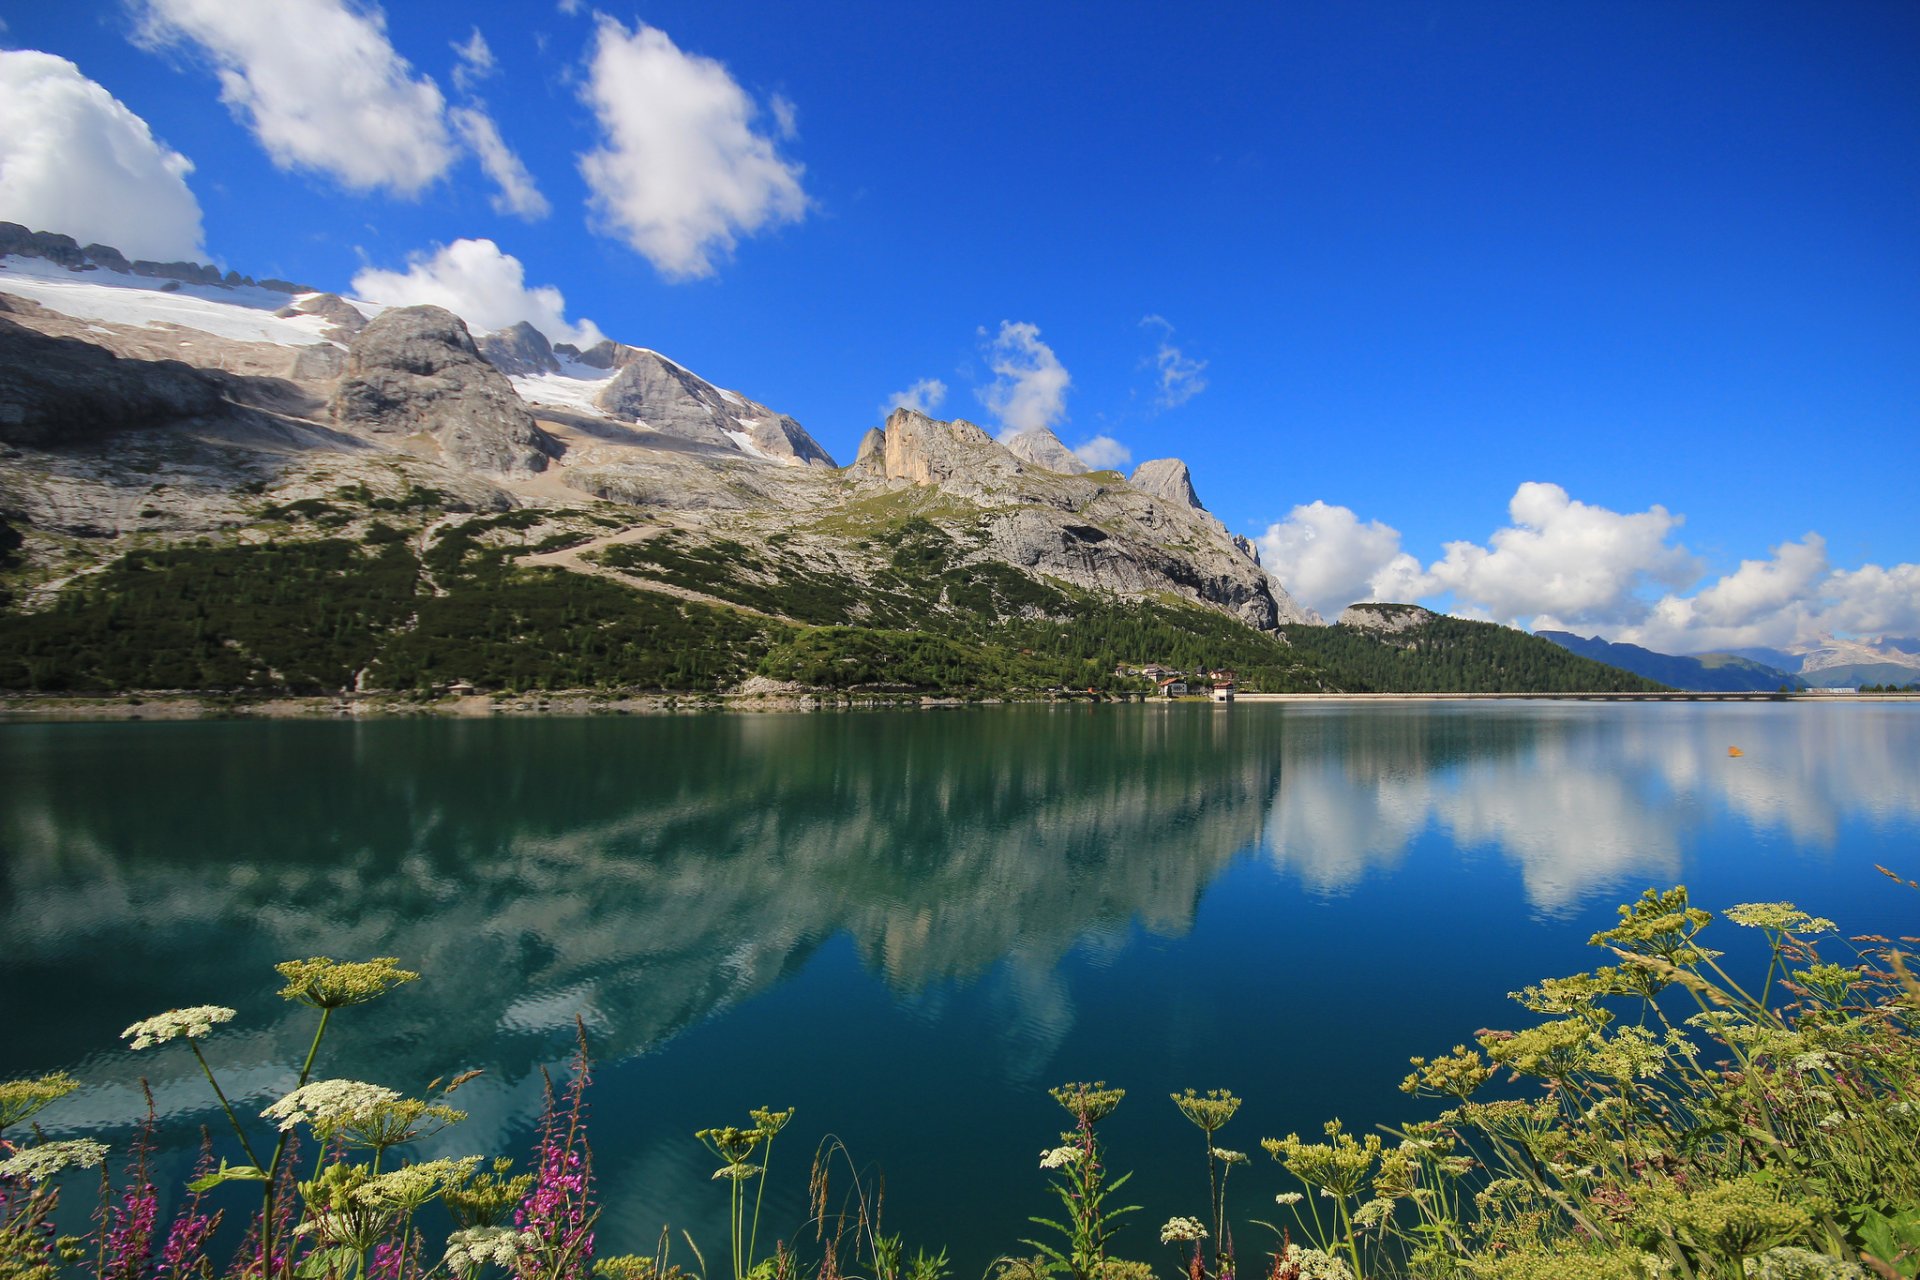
x: 1173, y: 687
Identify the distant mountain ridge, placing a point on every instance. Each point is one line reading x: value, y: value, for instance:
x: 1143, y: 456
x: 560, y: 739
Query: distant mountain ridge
x: 1705, y: 673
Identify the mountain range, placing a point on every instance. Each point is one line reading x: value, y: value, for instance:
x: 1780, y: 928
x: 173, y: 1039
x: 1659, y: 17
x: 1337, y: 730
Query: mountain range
x: 213, y: 482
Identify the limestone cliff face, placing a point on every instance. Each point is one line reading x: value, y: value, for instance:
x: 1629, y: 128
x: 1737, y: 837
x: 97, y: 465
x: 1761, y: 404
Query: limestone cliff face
x: 417, y: 370
x: 1124, y: 538
x: 954, y: 455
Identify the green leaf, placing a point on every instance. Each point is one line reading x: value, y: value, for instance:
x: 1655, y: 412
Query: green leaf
x: 228, y: 1173
x: 325, y: 1262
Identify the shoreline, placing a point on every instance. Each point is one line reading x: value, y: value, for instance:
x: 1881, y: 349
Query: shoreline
x: 75, y: 708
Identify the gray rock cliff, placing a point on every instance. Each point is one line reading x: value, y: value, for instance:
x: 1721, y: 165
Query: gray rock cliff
x: 518, y: 350
x: 1166, y: 478
x: 417, y: 370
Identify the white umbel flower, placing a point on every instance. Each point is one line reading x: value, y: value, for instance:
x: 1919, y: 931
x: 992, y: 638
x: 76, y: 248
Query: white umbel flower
x: 1179, y: 1229
x: 195, y: 1023
x: 1059, y: 1157
x: 329, y: 1104
x: 469, y: 1250
x: 37, y: 1164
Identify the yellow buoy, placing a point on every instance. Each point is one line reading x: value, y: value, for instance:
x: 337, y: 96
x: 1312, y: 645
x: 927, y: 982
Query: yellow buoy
x: 1735, y: 751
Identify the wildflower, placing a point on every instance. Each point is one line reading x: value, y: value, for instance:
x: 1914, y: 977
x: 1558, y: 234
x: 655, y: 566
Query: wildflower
x: 329, y: 1105
x: 1059, y: 1157
x: 1289, y: 1198
x: 737, y: 1172
x: 410, y: 1186
x: 1090, y: 1102
x: 475, y: 1247
x: 1455, y: 1074
x: 1182, y: 1229
x: 193, y: 1023
x: 326, y: 983
x: 1789, y: 1262
x: 1312, y: 1264
x: 1210, y: 1111
x: 21, y: 1098
x: 1777, y: 917
x: 1660, y: 926
x: 1225, y: 1156
x: 770, y: 1122
x: 37, y: 1164
x: 1339, y: 1167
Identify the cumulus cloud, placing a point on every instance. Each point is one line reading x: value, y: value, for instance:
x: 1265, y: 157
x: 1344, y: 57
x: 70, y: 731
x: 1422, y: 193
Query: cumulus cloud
x: 320, y: 85
x: 1328, y: 559
x: 1029, y: 390
x: 518, y: 194
x: 1181, y: 377
x: 681, y: 172
x: 1790, y: 597
x: 1565, y: 558
x: 74, y: 159
x: 1103, y: 453
x: 1567, y: 565
x: 482, y: 285
x: 923, y: 396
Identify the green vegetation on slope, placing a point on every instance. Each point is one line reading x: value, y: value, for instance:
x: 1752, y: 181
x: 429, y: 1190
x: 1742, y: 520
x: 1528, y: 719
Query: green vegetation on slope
x: 1453, y: 655
x: 330, y: 613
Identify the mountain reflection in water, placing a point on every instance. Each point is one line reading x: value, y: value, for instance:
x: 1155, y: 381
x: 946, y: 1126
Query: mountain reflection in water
x: 648, y: 874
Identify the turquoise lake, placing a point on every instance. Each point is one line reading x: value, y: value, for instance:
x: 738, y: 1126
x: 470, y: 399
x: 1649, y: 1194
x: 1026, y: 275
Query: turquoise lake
x: 905, y: 924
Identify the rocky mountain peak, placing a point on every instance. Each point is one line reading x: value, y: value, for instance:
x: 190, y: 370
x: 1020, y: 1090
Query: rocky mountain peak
x: 928, y: 451
x: 651, y: 389
x: 1167, y: 479
x: 1043, y: 449
x: 342, y: 317
x: 519, y: 350
x: 417, y: 370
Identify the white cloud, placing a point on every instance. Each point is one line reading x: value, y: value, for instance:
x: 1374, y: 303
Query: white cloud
x: 1561, y: 557
x: 475, y: 61
x: 1181, y: 378
x: 320, y: 85
x: 74, y: 159
x: 923, y: 396
x: 480, y: 284
x: 1029, y: 390
x: 1103, y: 453
x: 1328, y: 559
x: 786, y: 117
x: 518, y: 194
x: 1788, y: 598
x: 1876, y: 600
x: 681, y: 172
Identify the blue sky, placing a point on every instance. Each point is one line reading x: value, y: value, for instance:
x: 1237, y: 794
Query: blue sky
x: 1538, y: 281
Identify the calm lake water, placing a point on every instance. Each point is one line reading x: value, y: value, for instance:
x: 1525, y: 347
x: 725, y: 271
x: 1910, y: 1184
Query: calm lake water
x: 905, y: 924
